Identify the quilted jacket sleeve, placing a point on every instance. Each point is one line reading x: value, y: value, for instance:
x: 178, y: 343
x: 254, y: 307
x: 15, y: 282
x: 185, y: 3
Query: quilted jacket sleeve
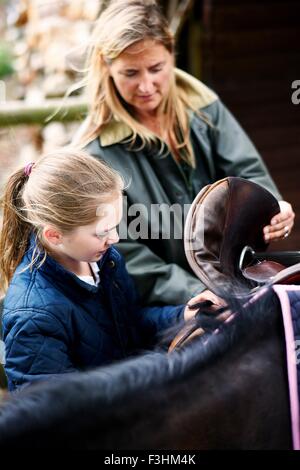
x: 154, y: 320
x: 36, y: 347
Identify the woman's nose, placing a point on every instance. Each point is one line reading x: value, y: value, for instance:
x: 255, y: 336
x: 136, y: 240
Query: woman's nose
x: 146, y: 85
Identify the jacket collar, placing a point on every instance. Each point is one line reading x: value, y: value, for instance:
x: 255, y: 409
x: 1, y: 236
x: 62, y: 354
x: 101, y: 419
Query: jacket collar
x: 117, y: 131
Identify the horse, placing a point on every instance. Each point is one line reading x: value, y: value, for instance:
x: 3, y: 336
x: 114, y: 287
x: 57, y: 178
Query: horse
x: 225, y: 389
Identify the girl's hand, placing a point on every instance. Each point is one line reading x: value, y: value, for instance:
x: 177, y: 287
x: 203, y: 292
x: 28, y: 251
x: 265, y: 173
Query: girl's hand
x: 217, y: 302
x: 281, y: 224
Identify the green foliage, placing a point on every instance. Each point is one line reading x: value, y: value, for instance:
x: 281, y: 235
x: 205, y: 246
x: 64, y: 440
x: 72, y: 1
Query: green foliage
x: 6, y: 60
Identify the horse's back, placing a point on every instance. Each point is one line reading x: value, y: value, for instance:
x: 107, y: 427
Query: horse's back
x: 228, y: 393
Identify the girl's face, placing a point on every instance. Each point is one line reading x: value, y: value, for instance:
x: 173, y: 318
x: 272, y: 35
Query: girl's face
x: 142, y: 75
x: 88, y: 243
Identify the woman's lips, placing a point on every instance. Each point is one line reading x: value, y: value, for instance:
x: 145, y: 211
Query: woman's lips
x: 146, y: 97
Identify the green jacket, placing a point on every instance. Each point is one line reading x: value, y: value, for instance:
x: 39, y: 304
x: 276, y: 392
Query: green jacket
x: 158, y: 264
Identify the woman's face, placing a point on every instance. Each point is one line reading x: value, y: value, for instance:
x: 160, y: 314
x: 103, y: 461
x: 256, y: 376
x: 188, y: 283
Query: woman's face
x: 142, y: 75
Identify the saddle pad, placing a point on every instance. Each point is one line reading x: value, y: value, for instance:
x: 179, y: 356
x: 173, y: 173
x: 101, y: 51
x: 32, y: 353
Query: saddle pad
x: 289, y: 297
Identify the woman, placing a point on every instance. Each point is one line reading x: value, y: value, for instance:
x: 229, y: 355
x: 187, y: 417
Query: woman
x: 170, y: 135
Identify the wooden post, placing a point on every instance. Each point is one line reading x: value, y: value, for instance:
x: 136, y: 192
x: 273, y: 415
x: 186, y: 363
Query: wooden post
x: 13, y: 113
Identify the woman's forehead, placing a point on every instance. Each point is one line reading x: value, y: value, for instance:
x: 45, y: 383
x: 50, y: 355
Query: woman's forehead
x: 147, y: 49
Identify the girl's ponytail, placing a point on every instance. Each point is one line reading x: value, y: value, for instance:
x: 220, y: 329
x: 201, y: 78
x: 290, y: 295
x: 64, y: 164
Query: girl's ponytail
x: 15, y: 230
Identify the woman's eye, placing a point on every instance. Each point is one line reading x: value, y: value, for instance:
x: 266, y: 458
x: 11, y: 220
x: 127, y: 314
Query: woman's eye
x: 156, y: 70
x: 130, y: 73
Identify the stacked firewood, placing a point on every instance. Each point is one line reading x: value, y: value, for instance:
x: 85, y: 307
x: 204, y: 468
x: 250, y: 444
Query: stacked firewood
x: 53, y: 35
x: 49, y: 40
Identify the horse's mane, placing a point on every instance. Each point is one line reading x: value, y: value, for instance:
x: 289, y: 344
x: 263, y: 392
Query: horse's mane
x: 107, y: 387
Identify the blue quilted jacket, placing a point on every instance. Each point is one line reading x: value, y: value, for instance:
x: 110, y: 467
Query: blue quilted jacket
x: 55, y: 323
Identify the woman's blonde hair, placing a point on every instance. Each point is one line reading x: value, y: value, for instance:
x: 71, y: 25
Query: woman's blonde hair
x: 121, y: 24
x: 64, y: 189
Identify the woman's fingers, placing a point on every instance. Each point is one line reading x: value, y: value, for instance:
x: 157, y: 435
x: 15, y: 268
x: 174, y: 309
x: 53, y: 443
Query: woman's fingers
x: 281, y: 224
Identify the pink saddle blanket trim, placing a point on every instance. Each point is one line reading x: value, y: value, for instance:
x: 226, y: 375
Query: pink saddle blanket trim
x: 282, y: 293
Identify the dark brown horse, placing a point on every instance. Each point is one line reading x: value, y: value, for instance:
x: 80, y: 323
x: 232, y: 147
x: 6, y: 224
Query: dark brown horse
x: 221, y: 391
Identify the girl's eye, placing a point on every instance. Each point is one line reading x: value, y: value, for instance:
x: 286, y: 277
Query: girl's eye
x: 105, y: 234
x: 100, y: 235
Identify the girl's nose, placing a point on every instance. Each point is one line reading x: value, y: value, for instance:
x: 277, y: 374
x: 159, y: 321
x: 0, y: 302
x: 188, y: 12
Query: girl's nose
x: 113, y: 237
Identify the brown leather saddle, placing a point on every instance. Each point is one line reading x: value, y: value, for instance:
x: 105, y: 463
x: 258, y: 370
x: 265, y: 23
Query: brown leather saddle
x: 224, y: 242
x: 224, y: 235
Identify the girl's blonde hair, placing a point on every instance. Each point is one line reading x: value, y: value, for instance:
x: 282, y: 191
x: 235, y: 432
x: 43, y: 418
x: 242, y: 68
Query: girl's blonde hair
x: 64, y: 189
x: 121, y: 24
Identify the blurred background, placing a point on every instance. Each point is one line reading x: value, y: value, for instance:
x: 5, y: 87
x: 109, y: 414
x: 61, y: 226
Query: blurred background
x: 247, y: 51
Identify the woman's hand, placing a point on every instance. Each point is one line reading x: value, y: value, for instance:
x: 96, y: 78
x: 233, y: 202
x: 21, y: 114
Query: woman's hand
x: 281, y: 224
x: 217, y: 302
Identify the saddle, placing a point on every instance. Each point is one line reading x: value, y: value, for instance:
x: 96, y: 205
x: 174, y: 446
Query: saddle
x: 224, y: 242
x: 223, y: 235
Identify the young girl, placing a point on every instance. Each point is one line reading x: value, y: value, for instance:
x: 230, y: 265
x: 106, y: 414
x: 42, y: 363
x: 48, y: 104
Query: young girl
x: 70, y: 303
